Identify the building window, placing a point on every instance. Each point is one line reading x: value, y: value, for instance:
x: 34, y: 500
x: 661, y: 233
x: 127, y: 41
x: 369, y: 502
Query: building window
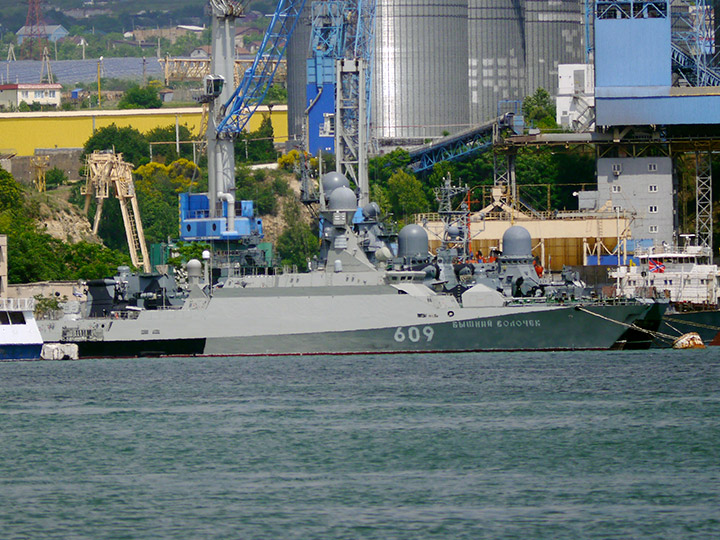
x: 616, y: 189
x: 652, y: 167
x: 653, y: 228
x: 38, y: 94
x: 24, y: 93
x: 653, y: 209
x: 52, y: 93
x: 652, y: 188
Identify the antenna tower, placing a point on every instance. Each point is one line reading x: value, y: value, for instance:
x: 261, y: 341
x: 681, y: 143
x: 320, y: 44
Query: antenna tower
x: 36, y: 32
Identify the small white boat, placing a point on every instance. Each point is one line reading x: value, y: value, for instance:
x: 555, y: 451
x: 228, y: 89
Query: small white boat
x: 20, y: 337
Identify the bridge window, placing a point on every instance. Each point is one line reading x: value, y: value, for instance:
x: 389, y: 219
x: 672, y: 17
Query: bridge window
x: 653, y: 209
x: 653, y: 229
x: 652, y: 188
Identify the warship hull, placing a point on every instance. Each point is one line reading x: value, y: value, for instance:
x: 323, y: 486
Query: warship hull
x: 247, y: 322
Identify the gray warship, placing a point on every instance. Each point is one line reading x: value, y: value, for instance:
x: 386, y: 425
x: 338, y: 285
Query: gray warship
x: 360, y: 296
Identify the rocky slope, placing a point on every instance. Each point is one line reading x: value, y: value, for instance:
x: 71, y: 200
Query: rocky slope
x: 60, y: 219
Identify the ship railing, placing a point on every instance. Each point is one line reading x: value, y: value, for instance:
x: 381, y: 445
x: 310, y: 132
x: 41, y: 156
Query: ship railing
x: 17, y: 304
x: 674, y: 251
x: 582, y: 301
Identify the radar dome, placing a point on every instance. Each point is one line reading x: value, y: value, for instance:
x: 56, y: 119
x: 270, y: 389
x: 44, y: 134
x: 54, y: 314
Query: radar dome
x: 453, y: 231
x: 333, y: 180
x: 371, y: 210
x: 342, y: 199
x: 194, y: 267
x: 516, y: 243
x: 413, y: 242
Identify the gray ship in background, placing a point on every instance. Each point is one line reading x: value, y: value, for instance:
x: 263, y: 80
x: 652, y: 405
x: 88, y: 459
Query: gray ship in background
x: 360, y: 296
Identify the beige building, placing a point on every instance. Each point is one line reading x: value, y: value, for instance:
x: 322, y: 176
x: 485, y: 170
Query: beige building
x: 12, y: 95
x: 565, y: 238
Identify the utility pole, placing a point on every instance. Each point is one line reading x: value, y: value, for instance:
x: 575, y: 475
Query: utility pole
x: 99, y: 76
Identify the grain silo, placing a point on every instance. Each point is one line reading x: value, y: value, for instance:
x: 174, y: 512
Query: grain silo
x: 420, y: 75
x: 496, y: 55
x: 553, y: 35
x: 297, y: 54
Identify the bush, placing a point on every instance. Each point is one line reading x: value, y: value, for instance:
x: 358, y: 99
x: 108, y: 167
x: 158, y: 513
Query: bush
x: 140, y: 98
x: 55, y: 177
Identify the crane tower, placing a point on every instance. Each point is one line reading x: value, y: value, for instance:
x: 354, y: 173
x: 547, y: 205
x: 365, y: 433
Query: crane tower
x: 339, y: 81
x: 213, y: 215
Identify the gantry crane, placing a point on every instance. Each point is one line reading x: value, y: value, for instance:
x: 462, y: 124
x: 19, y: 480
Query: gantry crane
x: 102, y: 170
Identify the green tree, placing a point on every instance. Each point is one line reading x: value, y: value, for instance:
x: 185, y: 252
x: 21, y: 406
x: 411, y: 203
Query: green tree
x: 254, y: 187
x: 276, y: 95
x: 157, y: 188
x: 10, y: 192
x: 55, y: 177
x: 126, y: 140
x: 406, y: 194
x: 258, y: 146
x: 185, y: 251
x: 539, y: 110
x: 167, y: 152
x: 297, y: 244
x: 381, y: 168
x: 137, y: 97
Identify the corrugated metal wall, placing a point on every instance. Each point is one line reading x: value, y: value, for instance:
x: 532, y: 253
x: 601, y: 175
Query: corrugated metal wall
x: 297, y: 54
x: 553, y: 35
x: 496, y: 55
x: 421, y: 68
x: 441, y: 65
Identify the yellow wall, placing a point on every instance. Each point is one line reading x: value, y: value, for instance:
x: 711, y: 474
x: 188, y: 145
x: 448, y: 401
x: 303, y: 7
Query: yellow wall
x: 24, y: 132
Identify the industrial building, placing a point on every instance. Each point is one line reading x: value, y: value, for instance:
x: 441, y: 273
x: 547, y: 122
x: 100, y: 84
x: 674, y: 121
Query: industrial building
x: 440, y: 67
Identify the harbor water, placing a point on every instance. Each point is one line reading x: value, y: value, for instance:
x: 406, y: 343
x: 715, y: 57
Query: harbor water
x: 527, y: 446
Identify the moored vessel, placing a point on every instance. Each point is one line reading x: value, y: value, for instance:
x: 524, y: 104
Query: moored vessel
x: 684, y: 277
x: 20, y: 337
x: 359, y: 297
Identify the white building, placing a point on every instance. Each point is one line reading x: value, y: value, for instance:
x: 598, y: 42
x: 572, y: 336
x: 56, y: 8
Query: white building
x: 575, y: 102
x: 11, y: 95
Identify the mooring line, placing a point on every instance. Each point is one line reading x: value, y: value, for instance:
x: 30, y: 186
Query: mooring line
x: 633, y: 326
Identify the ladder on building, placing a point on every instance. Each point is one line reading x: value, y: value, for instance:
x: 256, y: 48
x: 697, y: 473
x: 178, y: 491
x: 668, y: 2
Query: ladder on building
x: 102, y: 170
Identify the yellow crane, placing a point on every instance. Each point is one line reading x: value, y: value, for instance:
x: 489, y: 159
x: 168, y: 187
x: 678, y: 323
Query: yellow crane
x: 102, y: 170
x: 40, y: 164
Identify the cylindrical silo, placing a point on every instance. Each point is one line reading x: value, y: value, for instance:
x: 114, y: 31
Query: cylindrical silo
x: 420, y: 74
x: 496, y: 56
x: 553, y: 35
x: 297, y: 55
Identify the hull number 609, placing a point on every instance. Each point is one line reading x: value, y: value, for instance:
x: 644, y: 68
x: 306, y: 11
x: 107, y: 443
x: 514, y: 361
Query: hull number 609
x: 414, y: 334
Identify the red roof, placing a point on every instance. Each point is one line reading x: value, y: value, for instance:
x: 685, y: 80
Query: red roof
x: 36, y: 86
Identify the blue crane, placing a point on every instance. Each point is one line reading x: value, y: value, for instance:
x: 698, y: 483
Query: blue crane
x: 253, y: 88
x: 213, y: 215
